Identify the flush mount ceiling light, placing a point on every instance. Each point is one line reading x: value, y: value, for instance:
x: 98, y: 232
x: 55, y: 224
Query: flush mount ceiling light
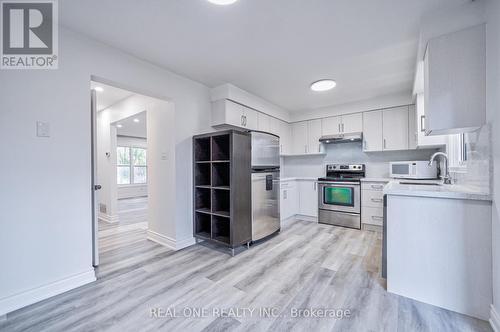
x: 119, y: 126
x: 98, y: 89
x: 323, y: 85
x: 136, y: 120
x: 222, y: 2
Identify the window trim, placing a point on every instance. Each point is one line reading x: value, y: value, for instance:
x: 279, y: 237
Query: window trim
x: 131, y: 166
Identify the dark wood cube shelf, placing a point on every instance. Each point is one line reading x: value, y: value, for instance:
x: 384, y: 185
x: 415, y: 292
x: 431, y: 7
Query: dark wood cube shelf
x: 222, y: 188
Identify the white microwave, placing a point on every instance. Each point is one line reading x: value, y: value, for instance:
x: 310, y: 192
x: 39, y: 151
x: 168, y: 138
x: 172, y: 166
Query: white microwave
x: 419, y: 170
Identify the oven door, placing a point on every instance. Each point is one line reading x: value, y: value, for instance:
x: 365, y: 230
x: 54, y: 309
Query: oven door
x: 339, y: 196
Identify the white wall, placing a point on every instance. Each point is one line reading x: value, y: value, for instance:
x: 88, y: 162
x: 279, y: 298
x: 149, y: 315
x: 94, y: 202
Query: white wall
x: 493, y: 115
x: 377, y: 163
x: 45, y: 228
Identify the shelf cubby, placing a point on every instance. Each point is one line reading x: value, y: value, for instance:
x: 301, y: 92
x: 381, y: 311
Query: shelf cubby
x: 202, y: 149
x: 220, y: 229
x: 203, y: 200
x: 221, y: 174
x: 221, y: 202
x: 202, y: 176
x: 203, y: 225
x: 220, y: 148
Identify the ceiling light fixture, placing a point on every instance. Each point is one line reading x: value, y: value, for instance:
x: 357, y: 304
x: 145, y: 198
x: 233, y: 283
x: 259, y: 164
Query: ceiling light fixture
x: 98, y: 89
x: 136, y: 120
x: 119, y: 126
x: 323, y: 85
x: 222, y: 2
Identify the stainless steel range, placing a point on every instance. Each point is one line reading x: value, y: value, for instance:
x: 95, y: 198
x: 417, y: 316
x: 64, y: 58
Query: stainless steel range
x: 339, y: 195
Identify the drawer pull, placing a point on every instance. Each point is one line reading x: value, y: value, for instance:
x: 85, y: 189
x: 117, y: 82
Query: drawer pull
x: 377, y: 186
x: 377, y: 200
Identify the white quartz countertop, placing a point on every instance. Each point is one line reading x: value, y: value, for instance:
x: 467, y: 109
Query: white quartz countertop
x: 298, y: 179
x: 453, y: 191
x: 367, y: 179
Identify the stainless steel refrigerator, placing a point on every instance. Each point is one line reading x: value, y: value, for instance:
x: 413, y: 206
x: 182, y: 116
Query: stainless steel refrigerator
x: 265, y: 185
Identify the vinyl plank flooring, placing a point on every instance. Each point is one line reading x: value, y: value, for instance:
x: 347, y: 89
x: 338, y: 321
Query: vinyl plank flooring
x: 307, y: 265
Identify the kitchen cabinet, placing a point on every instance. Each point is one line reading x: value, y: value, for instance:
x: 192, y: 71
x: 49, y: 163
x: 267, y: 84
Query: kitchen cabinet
x: 299, y: 137
x: 424, y: 141
x: 332, y: 125
x: 395, y: 129
x: 286, y: 137
x: 372, y: 205
x: 226, y: 113
x: 313, y: 136
x: 289, y: 199
x: 308, y: 198
x: 372, y: 131
x: 345, y: 124
x: 412, y: 128
x: 455, y: 82
x: 264, y: 122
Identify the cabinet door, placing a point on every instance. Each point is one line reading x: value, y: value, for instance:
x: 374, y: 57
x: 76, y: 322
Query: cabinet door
x: 412, y: 128
x: 395, y: 128
x: 251, y: 119
x: 275, y: 126
x: 286, y: 137
x: 331, y: 125
x: 424, y: 141
x: 352, y: 123
x: 299, y: 137
x: 372, y: 131
x: 264, y: 122
x: 308, y: 198
x: 313, y: 136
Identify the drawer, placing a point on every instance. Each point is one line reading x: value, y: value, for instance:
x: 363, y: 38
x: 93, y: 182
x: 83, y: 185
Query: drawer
x: 372, y: 198
x: 372, y: 216
x: 379, y: 186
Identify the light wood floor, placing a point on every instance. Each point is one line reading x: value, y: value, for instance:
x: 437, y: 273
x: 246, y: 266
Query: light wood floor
x: 306, y: 266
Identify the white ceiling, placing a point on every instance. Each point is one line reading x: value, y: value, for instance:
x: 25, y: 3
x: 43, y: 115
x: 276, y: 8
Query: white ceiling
x: 109, y: 96
x: 272, y: 48
x: 131, y: 128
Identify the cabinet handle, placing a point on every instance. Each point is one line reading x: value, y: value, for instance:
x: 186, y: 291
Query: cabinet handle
x: 385, y: 143
x: 245, y: 119
x: 284, y: 194
x: 339, y: 128
x: 314, y: 186
x: 377, y: 186
x: 342, y: 127
x: 319, y: 147
x: 241, y: 120
x: 422, y: 123
x: 377, y: 200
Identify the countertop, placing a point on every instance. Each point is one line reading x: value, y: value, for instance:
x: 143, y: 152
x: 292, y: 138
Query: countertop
x: 303, y: 178
x: 453, y: 191
x: 375, y: 179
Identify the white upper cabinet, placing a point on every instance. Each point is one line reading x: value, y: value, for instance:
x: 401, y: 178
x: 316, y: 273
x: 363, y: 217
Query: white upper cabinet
x: 313, y: 136
x: 455, y: 82
x: 412, y: 128
x: 352, y: 123
x: 286, y: 138
x: 264, y: 122
x: 424, y: 141
x: 345, y: 124
x: 228, y: 113
x: 395, y: 129
x: 331, y: 125
x: 372, y: 131
x: 299, y: 137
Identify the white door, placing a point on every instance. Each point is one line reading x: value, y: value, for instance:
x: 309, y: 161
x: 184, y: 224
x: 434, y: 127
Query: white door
x: 352, y: 123
x: 299, y: 137
x: 331, y: 125
x: 395, y: 128
x: 234, y: 114
x: 94, y: 185
x: 372, y: 131
x: 264, y: 122
x: 308, y: 198
x: 313, y: 136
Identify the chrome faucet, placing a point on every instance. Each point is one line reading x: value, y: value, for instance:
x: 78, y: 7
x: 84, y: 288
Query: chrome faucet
x: 446, y: 177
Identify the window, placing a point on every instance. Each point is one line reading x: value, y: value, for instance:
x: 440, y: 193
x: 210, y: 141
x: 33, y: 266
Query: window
x: 131, y: 163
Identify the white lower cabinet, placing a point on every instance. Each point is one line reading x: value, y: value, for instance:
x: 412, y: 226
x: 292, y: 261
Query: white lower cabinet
x: 372, y: 203
x: 289, y: 199
x: 308, y: 198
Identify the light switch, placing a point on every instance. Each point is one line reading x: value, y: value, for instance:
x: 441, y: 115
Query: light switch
x: 42, y: 129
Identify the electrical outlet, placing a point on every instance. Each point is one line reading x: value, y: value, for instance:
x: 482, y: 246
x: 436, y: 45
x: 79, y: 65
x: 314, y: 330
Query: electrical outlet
x: 42, y: 129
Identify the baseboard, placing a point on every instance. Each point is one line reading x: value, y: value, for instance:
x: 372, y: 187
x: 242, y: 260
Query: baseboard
x: 373, y: 228
x: 111, y: 219
x: 38, y: 294
x: 494, y: 319
x: 170, y: 242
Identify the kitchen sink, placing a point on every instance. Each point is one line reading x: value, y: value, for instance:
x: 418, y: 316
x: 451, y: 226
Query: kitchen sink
x: 421, y: 183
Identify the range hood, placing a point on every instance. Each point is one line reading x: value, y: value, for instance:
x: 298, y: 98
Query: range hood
x: 342, y: 138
